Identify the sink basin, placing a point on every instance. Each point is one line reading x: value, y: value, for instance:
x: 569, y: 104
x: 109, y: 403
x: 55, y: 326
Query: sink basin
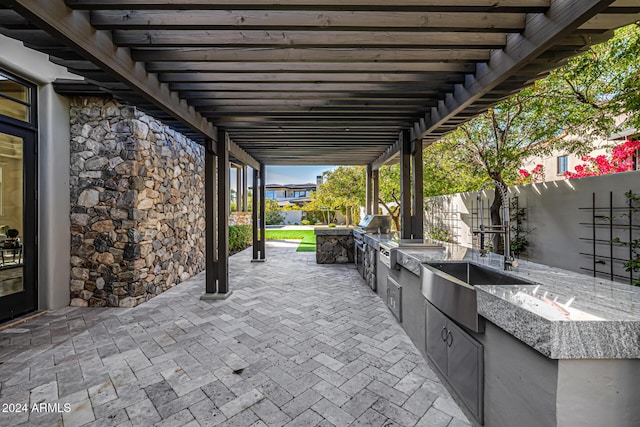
x: 475, y: 275
x: 450, y: 287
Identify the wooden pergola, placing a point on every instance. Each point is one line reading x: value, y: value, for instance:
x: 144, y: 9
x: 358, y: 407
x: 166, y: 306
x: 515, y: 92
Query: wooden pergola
x: 301, y: 82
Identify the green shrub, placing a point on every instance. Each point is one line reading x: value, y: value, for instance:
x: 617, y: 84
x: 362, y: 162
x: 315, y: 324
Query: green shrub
x: 332, y: 225
x: 312, y: 221
x: 240, y: 237
x: 306, y: 222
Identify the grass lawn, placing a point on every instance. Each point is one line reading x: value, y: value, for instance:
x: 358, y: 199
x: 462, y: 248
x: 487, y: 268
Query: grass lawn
x: 308, y: 238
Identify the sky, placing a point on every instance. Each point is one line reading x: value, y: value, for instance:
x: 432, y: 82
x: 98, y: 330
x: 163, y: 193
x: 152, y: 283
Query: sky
x: 294, y: 174
x: 288, y: 174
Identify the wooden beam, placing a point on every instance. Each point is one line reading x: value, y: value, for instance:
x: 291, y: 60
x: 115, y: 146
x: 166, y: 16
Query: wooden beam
x: 263, y: 211
x: 411, y: 5
x: 254, y: 216
x: 223, y: 214
x: 311, y: 77
x: 242, y: 156
x: 325, y: 94
x: 405, y: 186
x: 417, y: 194
x: 318, y: 102
x: 254, y: 67
x: 369, y: 191
x: 335, y: 55
x: 289, y: 20
x: 542, y: 31
x: 75, y: 29
x: 255, y: 38
x: 389, y: 154
x: 607, y: 21
x: 310, y: 87
x: 291, y: 96
x: 210, y: 188
x: 245, y: 194
x: 375, y: 175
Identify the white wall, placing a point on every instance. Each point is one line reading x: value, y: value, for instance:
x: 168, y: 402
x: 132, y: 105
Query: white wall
x: 53, y: 169
x: 554, y: 216
x: 292, y: 217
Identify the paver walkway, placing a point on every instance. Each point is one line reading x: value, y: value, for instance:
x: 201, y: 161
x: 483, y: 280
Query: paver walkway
x: 297, y: 344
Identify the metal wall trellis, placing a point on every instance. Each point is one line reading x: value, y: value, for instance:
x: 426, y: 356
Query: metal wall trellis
x: 442, y: 217
x: 606, y: 223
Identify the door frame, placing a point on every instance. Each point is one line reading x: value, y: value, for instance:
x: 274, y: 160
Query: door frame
x: 25, y: 301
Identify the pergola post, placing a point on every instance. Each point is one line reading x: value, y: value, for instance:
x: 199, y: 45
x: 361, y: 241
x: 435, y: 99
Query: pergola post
x: 223, y: 213
x: 254, y: 217
x: 369, y: 190
x: 405, y: 186
x: 239, y: 187
x: 263, y: 216
x: 417, y: 200
x: 210, y: 219
x: 217, y: 283
x: 245, y: 195
x: 376, y: 192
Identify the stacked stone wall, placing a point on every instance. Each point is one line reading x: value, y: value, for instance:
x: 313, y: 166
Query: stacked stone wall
x: 137, y: 205
x: 240, y: 218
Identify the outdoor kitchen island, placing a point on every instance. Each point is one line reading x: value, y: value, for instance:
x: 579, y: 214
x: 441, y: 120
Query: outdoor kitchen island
x: 558, y: 349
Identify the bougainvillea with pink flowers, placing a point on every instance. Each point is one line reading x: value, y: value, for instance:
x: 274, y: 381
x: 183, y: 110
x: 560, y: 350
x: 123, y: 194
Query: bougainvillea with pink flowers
x: 535, y: 175
x: 623, y: 159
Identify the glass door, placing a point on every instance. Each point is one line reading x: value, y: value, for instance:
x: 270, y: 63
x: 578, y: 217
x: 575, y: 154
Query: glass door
x: 17, y: 221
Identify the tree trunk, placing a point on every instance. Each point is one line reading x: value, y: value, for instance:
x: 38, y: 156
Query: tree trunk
x: 496, y: 221
x: 347, y: 215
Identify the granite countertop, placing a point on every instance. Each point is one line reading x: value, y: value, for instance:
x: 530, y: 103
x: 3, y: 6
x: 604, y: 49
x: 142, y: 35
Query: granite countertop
x: 333, y: 231
x: 562, y: 314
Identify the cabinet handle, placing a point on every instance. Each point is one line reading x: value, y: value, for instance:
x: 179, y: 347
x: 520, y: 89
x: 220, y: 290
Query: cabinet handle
x: 443, y: 334
x: 449, y: 339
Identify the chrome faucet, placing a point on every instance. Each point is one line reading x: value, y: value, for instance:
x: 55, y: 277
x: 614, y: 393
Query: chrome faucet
x: 509, y: 261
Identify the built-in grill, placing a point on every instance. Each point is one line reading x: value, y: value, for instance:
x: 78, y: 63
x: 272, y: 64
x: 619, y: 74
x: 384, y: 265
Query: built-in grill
x: 380, y: 224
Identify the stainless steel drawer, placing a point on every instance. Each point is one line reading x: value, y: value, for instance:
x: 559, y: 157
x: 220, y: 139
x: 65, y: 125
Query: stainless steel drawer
x: 394, y: 298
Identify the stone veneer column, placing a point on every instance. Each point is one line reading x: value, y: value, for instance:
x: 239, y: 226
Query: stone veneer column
x: 137, y: 205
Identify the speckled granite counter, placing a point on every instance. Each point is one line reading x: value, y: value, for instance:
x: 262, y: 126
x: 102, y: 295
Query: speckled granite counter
x: 563, y: 315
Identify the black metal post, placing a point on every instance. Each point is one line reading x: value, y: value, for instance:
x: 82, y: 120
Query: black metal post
x: 405, y: 186
x: 417, y: 200
x: 263, y: 216
x: 210, y: 218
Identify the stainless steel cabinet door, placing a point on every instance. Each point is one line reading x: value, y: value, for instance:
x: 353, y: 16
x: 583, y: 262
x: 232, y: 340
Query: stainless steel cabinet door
x: 466, y: 368
x: 436, y: 337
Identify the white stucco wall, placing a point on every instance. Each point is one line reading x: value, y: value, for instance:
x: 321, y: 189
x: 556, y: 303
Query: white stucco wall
x: 53, y: 169
x: 557, y: 218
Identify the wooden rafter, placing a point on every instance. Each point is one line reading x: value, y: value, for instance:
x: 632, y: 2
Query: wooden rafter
x: 74, y: 29
x: 313, y: 81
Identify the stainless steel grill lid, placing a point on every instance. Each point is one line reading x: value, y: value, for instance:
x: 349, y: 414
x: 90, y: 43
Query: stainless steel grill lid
x: 376, y: 223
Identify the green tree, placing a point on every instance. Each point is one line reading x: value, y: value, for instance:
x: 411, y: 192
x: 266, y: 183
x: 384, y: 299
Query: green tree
x: 532, y: 122
x: 342, y: 189
x: 604, y: 82
x: 446, y: 170
x: 566, y: 111
x: 272, y: 213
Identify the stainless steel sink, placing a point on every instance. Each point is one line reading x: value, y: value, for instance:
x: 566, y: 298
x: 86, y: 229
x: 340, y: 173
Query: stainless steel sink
x: 450, y: 287
x: 475, y: 275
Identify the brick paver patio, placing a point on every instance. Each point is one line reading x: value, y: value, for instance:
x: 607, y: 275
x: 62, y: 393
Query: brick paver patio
x: 297, y: 344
